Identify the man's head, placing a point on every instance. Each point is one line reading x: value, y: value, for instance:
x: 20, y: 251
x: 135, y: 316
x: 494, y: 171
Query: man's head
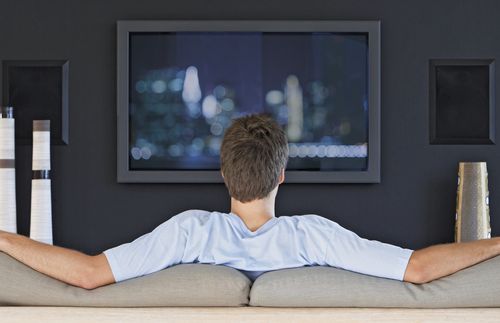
x: 254, y: 154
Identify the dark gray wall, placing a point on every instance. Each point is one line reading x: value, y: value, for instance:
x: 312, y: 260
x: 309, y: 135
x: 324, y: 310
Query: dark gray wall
x: 414, y: 204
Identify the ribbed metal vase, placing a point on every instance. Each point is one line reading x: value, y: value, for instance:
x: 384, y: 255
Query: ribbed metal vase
x: 472, y: 219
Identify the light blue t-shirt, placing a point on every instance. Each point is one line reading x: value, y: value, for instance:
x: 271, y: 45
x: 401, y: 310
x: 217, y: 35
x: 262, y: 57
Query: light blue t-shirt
x: 197, y: 236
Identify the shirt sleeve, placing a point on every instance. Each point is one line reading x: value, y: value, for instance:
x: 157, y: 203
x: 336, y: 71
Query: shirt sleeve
x: 348, y: 251
x: 151, y: 252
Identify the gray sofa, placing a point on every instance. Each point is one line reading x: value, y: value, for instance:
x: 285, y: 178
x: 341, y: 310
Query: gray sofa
x: 208, y: 285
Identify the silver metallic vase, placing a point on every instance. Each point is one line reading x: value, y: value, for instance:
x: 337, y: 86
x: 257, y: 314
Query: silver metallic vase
x: 472, y: 220
x: 8, y: 220
x: 41, y: 197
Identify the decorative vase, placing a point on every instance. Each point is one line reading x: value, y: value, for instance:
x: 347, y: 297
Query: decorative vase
x: 8, y: 220
x: 472, y: 218
x: 41, y: 197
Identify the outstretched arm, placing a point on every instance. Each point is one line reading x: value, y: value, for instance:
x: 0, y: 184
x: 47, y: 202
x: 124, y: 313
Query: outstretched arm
x: 442, y: 260
x: 349, y: 251
x: 64, y: 264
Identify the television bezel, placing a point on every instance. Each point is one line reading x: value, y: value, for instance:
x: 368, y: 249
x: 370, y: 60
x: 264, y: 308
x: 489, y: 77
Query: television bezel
x: 124, y: 28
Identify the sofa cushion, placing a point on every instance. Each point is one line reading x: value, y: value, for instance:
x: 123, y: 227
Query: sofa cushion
x: 181, y: 285
x: 476, y: 286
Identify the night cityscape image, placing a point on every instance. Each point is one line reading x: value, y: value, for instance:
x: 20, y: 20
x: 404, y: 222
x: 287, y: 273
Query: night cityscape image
x: 186, y: 87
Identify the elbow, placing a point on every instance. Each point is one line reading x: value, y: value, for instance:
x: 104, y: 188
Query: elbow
x: 87, y: 277
x: 418, y: 278
x: 87, y: 283
x: 417, y: 272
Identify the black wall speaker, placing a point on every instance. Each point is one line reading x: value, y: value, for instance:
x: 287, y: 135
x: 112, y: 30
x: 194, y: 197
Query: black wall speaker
x: 38, y: 90
x: 462, y: 101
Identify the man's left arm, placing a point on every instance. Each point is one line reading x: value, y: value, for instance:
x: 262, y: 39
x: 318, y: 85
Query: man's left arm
x: 347, y: 250
x: 69, y: 266
x: 442, y: 260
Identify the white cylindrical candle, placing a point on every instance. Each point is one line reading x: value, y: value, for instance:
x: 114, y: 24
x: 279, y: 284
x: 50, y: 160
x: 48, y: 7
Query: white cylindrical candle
x: 41, y: 197
x: 8, y: 220
x: 41, y: 145
x: 41, y: 211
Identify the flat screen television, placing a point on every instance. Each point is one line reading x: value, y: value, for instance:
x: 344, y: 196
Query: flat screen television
x: 180, y: 83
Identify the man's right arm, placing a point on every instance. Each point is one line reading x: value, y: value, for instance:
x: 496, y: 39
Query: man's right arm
x: 151, y: 252
x: 69, y: 266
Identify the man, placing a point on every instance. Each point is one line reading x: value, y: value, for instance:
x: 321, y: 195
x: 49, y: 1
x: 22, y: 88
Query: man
x: 249, y: 238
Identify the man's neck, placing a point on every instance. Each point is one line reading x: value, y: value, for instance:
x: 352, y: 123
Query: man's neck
x: 255, y: 213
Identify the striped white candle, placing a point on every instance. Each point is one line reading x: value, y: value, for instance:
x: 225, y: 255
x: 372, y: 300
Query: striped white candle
x: 7, y: 171
x: 41, y: 211
x: 41, y: 150
x: 41, y: 197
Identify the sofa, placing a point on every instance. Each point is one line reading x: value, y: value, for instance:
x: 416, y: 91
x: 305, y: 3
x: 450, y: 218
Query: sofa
x: 208, y: 293
x: 201, y: 285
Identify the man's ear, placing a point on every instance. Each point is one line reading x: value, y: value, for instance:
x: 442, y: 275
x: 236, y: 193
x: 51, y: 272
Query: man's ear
x: 222, y: 174
x: 282, y: 176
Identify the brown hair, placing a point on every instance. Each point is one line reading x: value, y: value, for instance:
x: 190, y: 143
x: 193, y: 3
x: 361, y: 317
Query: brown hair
x: 253, y: 153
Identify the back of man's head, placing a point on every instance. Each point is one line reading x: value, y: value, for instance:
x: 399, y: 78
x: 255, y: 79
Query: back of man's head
x: 254, y: 151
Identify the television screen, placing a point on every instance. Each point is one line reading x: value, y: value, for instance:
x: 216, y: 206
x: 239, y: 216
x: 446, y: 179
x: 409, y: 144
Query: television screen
x: 186, y: 87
